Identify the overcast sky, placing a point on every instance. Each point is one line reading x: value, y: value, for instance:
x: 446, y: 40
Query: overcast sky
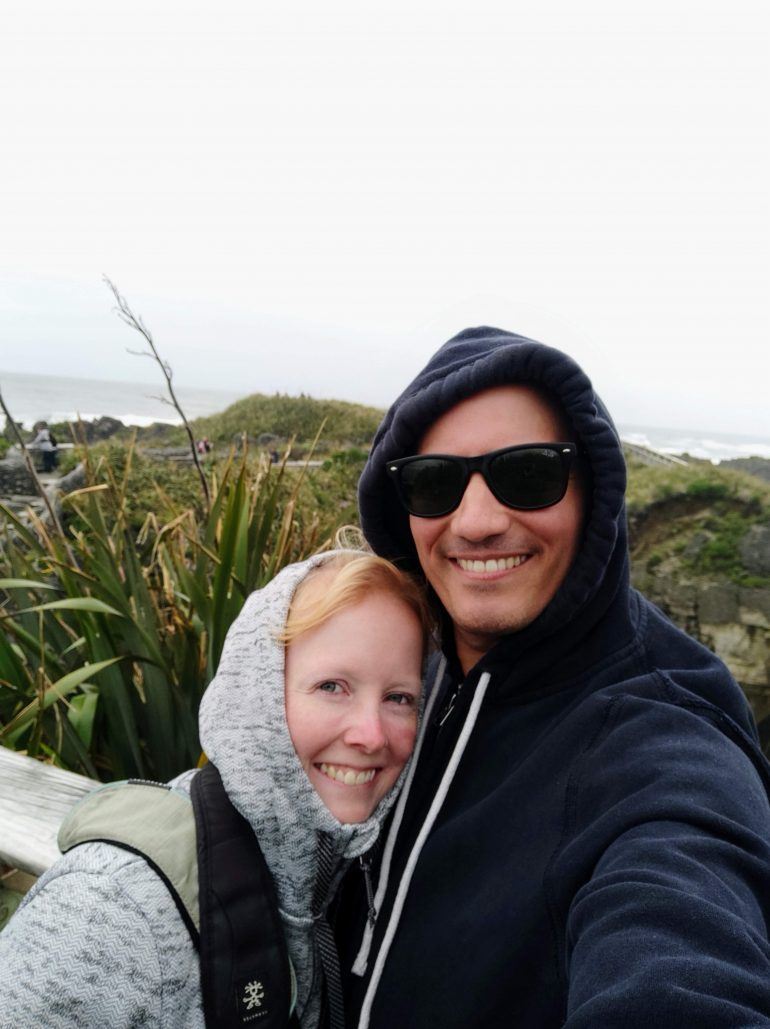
x: 305, y: 196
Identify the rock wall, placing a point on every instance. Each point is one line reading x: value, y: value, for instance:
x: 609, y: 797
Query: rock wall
x: 733, y: 621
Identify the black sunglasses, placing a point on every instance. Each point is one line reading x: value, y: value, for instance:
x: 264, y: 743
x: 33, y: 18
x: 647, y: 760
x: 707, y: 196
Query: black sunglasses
x: 527, y: 477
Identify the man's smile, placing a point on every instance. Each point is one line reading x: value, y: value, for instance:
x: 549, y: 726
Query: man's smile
x: 491, y: 565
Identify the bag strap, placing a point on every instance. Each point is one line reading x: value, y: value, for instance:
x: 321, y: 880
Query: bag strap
x: 246, y: 975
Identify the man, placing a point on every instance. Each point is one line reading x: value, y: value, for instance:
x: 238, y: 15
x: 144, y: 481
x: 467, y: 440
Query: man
x: 586, y: 841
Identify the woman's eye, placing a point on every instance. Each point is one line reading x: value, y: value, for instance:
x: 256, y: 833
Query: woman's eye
x: 402, y: 699
x: 330, y: 686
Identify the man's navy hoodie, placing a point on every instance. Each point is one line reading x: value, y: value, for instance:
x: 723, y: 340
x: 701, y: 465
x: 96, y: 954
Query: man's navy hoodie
x: 598, y: 853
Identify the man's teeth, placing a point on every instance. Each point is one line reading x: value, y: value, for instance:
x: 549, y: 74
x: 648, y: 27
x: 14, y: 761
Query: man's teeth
x: 499, y: 565
x: 348, y: 776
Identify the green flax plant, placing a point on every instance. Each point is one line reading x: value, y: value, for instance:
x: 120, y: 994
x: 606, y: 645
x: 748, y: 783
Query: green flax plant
x: 108, y: 638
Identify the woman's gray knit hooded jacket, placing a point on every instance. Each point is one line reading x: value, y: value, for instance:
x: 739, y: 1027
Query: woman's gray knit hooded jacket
x: 98, y: 942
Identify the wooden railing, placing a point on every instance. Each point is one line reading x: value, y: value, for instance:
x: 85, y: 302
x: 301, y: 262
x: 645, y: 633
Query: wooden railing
x: 34, y: 798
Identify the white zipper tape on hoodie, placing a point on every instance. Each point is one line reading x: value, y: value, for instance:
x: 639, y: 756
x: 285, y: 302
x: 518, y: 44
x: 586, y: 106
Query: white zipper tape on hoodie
x: 403, y: 886
x: 359, y: 965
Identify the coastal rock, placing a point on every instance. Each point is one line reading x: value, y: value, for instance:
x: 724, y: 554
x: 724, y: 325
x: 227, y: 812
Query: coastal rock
x: 76, y: 479
x: 696, y: 544
x: 754, y: 607
x: 15, y: 478
x: 754, y: 549
x: 95, y: 430
x: 731, y: 620
x: 13, y: 457
x: 718, y: 604
x: 700, y: 550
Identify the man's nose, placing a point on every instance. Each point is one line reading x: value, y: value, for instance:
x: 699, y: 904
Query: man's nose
x: 479, y: 514
x: 365, y: 729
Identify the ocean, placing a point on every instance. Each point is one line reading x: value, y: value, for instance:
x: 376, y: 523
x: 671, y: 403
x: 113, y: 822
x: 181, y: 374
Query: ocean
x: 31, y: 398
x: 55, y: 398
x: 710, y: 446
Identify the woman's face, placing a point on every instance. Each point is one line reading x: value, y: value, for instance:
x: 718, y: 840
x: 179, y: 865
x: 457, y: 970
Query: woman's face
x: 352, y: 692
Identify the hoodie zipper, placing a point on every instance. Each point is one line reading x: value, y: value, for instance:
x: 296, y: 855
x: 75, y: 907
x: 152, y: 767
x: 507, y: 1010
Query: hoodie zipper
x: 366, y: 867
x: 449, y: 706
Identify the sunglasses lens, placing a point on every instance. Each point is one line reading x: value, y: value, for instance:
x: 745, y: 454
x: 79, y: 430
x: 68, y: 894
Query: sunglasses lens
x: 431, y: 486
x: 529, y: 479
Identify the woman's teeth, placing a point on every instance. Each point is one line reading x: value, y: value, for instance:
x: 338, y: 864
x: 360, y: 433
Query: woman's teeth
x: 501, y: 564
x: 347, y: 776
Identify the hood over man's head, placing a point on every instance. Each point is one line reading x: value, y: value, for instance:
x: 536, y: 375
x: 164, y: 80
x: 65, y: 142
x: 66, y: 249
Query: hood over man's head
x: 497, y: 570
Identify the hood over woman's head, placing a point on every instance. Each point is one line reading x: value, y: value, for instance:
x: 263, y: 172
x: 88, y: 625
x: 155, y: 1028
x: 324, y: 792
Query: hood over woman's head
x: 244, y: 731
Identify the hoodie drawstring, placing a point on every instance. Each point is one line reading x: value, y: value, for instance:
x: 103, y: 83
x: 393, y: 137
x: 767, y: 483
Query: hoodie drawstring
x: 359, y: 965
x: 403, y: 886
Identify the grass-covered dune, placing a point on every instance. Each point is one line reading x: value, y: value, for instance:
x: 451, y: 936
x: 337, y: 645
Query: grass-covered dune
x: 284, y: 417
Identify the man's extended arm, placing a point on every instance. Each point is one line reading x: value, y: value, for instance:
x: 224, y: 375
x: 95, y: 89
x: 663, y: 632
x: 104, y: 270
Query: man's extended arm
x: 672, y: 925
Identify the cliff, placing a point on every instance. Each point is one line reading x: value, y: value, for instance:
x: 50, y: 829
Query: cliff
x: 700, y: 549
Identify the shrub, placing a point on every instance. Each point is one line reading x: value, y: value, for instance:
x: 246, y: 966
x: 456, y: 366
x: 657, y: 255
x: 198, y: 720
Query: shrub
x: 110, y: 636
x: 708, y: 489
x: 654, y: 560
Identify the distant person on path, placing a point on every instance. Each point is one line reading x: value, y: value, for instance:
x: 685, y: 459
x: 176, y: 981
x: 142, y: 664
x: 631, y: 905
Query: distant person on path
x: 586, y: 842
x: 45, y: 442
x: 309, y: 722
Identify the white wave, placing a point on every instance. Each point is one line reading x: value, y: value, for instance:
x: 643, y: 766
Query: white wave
x: 127, y: 419
x: 28, y: 420
x: 714, y: 447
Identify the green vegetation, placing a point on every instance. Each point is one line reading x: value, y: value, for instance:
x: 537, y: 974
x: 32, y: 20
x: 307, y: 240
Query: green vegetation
x: 152, y: 486
x: 702, y: 481
x: 693, y: 518
x: 759, y: 466
x: 331, y: 490
x: 280, y: 416
x: 110, y: 635
x: 325, y: 495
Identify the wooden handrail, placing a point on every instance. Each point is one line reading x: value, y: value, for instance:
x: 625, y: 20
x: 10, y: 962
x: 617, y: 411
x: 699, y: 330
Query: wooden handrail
x: 34, y: 798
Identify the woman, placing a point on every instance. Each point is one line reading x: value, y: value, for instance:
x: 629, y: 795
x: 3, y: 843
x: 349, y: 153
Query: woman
x: 309, y: 721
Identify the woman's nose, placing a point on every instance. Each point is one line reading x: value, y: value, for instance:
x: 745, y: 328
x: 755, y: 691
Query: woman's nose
x: 365, y: 729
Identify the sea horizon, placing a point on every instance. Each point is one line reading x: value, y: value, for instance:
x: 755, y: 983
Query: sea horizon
x: 55, y: 398
x: 59, y: 398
